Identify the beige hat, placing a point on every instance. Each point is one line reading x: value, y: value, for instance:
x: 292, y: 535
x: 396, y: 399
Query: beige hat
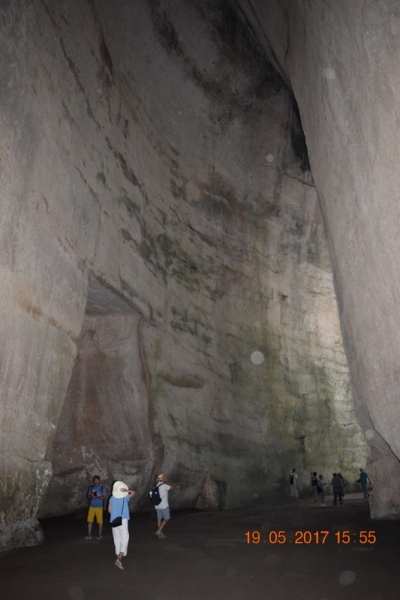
x: 116, y: 491
x: 160, y: 477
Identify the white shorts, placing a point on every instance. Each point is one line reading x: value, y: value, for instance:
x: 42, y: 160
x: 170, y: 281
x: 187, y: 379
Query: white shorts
x: 294, y: 491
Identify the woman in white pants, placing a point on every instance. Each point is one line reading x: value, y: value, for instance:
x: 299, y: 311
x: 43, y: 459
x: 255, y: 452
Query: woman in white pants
x: 118, y: 507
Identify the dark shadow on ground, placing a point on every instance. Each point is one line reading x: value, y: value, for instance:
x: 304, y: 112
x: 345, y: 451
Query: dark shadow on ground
x: 206, y: 557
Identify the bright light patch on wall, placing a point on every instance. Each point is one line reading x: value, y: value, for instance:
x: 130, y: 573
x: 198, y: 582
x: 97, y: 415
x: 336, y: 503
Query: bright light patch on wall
x: 385, y: 494
x: 329, y: 73
x: 257, y: 358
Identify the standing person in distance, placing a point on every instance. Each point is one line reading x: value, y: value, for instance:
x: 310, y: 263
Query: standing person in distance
x: 320, y: 489
x: 337, y: 490
x: 96, y: 494
x: 118, y: 507
x: 343, y: 480
x: 294, y: 487
x: 364, y: 479
x: 162, y: 509
x: 314, y: 485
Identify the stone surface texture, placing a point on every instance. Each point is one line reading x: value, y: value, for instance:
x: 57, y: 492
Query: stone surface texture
x: 159, y: 225
x: 341, y: 59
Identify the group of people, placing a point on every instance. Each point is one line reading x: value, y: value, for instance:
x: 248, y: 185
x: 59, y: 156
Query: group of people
x: 117, y: 507
x: 318, y: 485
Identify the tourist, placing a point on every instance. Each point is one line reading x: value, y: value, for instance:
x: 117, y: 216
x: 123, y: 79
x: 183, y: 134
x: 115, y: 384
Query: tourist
x: 96, y: 494
x: 314, y: 485
x: 343, y: 480
x: 320, y: 489
x: 364, y: 479
x: 162, y: 509
x: 294, y: 486
x: 118, y: 507
x: 337, y: 490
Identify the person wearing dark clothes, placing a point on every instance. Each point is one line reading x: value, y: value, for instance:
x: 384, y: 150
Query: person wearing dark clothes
x: 344, y: 482
x: 364, y: 479
x: 314, y: 485
x: 337, y: 490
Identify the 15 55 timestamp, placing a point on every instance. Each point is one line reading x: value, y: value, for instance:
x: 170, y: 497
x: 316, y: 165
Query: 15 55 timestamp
x: 311, y: 537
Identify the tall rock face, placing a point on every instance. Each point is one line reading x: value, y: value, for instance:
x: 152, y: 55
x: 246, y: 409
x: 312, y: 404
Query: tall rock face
x: 167, y: 296
x: 341, y: 59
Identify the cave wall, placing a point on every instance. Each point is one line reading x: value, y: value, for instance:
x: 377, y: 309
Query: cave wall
x: 341, y: 59
x: 104, y: 424
x: 160, y: 224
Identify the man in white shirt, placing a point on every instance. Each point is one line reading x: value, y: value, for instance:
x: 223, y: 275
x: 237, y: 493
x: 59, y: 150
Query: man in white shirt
x: 162, y: 509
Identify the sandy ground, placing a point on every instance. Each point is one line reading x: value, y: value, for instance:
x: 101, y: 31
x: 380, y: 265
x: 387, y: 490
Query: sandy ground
x: 206, y: 557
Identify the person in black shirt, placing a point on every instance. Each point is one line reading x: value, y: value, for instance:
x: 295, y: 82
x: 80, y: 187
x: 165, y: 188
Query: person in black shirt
x: 337, y: 489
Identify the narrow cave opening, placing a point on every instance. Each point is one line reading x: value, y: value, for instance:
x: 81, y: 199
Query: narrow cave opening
x: 103, y: 425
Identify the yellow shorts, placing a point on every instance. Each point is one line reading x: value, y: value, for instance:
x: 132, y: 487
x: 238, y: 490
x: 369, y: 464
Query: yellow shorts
x: 95, y: 512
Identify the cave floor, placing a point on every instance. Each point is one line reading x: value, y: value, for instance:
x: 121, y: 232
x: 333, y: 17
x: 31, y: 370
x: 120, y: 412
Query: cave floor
x: 206, y: 557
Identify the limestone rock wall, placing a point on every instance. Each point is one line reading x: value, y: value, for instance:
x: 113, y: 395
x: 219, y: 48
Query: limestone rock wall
x: 159, y: 225
x: 341, y: 60
x: 103, y: 426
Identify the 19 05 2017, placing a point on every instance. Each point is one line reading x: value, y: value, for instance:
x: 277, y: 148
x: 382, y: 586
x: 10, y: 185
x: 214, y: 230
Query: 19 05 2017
x: 311, y: 537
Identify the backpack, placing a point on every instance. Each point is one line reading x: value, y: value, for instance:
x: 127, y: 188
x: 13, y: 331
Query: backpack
x: 291, y: 479
x: 154, y: 495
